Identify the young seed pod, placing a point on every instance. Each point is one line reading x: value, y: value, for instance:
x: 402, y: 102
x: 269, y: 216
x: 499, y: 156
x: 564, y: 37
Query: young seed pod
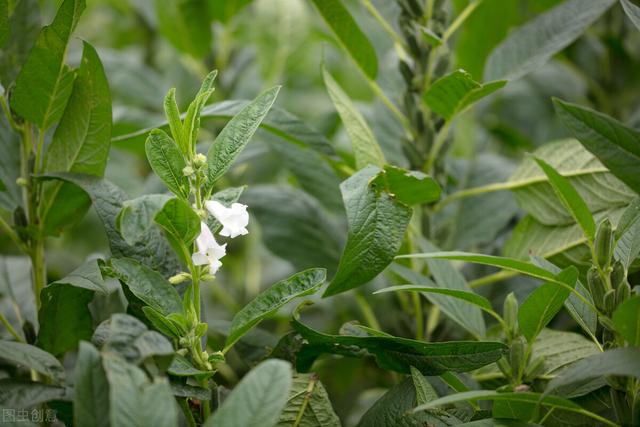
x: 606, y: 323
x: 517, y: 354
x: 596, y: 287
x: 610, y: 301
x: 617, y: 274
x: 510, y: 313
x: 623, y: 293
x: 535, y: 368
x: 504, y: 367
x: 604, y: 243
x: 201, y: 329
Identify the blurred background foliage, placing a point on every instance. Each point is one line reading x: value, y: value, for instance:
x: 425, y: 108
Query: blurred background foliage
x: 149, y: 46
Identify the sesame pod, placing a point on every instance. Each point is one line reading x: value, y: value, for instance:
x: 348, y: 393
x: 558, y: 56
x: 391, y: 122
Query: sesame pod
x: 617, y: 274
x: 610, y: 301
x: 517, y: 354
x: 606, y: 323
x: 504, y: 367
x: 604, y: 243
x: 596, y: 287
x: 623, y: 293
x: 201, y: 329
x: 510, y: 313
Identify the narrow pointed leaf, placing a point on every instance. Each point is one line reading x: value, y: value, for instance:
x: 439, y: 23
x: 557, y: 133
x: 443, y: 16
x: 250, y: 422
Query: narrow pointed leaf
x: 167, y: 162
x: 467, y: 296
x: 632, y: 11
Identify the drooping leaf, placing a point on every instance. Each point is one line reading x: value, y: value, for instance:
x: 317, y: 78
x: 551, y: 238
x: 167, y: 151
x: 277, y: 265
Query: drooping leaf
x: 632, y: 11
x: 570, y: 198
x: 470, y: 297
x: 453, y: 93
x: 533, y: 44
x: 32, y: 357
x: 147, y: 285
x: 395, y: 353
x: 136, y: 216
x: 353, y: 40
x: 44, y: 84
x: 617, y: 146
x: 575, y: 380
x: 80, y: 143
x: 308, y: 396
x: 167, y: 162
x: 363, y: 142
x: 626, y: 318
x: 268, y: 302
x: 17, y: 394
x: 376, y: 226
x: 408, y: 187
x: 186, y: 25
x: 91, y: 399
x: 544, y: 303
x: 179, y: 220
x: 237, y: 133
x: 258, y: 400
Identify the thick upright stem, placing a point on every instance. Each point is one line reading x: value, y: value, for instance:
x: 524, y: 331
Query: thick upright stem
x: 39, y: 269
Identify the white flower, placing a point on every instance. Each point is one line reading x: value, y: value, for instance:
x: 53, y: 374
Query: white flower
x: 209, y: 251
x: 234, y: 220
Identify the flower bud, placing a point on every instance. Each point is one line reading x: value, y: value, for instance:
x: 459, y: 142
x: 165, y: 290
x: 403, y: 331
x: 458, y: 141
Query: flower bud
x: 179, y: 278
x: 22, y: 182
x: 596, y: 287
x: 188, y: 171
x: 604, y: 243
x: 199, y: 160
x: 201, y: 329
x: 510, y: 313
x: 617, y: 275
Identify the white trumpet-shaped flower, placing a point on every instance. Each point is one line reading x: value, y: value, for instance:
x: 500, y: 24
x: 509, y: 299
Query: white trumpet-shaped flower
x: 234, y: 220
x: 209, y: 251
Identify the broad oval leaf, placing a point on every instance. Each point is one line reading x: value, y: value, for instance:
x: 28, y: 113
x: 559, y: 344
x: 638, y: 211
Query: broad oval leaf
x: 376, y: 226
x: 409, y: 187
x: 309, y: 397
x: 258, y: 400
x: 23, y: 27
x: 533, y: 44
x: 167, y: 162
x: 32, y: 357
x: 136, y: 216
x: 616, y: 145
x: 44, y: 84
x: 178, y: 219
x: 354, y: 41
x: 268, y: 302
x: 237, y: 133
x: 17, y: 394
x: 91, y: 398
x: 363, y: 142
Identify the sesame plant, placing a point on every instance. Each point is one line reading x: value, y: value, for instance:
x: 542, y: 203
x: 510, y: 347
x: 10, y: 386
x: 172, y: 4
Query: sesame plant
x: 428, y: 216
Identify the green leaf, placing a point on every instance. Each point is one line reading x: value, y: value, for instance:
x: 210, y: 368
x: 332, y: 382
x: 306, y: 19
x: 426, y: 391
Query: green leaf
x: 632, y: 11
x: 376, y: 226
x: 268, y: 302
x: 172, y: 113
x: 91, y: 398
x: 44, y: 83
x: 447, y: 277
x: 617, y: 146
x: 181, y: 367
x: 308, y: 396
x: 453, y: 93
x: 22, y: 32
x: 424, y: 391
x: 576, y: 379
x: 17, y: 394
x: 363, y: 142
x: 258, y: 400
x: 134, y: 399
x: 397, y: 354
x: 601, y: 191
x: 467, y: 296
x: 408, y: 187
x: 186, y: 25
x: 4, y: 21
x: 559, y: 349
x: 147, y: 285
x: 352, y: 39
x: 295, y: 227
x: 533, y: 44
x: 237, y: 133
x: 570, y: 198
x: 108, y: 200
x: 178, y: 219
x: 136, y: 216
x: 191, y: 125
x: 32, y: 357
x: 626, y: 319
x: 544, y: 303
x: 277, y: 122
x: 80, y: 143
x: 161, y: 323
x: 167, y: 162
x: 549, y: 402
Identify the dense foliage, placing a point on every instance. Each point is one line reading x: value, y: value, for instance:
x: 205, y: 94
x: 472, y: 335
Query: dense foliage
x: 426, y: 214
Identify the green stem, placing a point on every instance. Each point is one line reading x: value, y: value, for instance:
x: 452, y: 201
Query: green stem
x: 186, y: 410
x: 367, y: 312
x: 10, y: 328
x: 39, y: 268
x: 305, y: 401
x: 384, y: 24
x: 417, y: 308
x: 460, y: 20
x: 441, y: 138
